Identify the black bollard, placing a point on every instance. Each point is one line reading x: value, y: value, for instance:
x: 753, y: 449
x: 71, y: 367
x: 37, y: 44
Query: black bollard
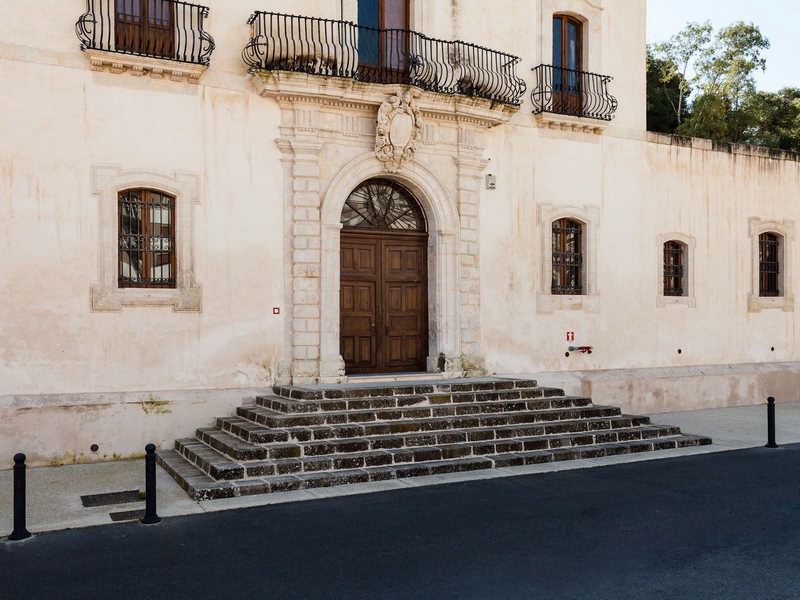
x: 771, y: 423
x: 20, y: 532
x: 150, y: 515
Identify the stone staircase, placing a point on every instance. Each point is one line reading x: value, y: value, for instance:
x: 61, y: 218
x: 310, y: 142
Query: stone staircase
x: 317, y: 436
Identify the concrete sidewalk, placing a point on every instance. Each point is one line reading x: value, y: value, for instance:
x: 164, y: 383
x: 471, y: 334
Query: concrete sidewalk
x: 54, y: 493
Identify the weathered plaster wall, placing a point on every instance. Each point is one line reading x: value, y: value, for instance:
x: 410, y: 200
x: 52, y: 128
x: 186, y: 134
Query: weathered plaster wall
x: 62, y: 428
x: 641, y: 191
x: 61, y: 121
x: 70, y: 375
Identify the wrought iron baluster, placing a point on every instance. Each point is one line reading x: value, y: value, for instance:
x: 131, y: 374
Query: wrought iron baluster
x: 571, y: 92
x: 344, y: 49
x: 169, y: 29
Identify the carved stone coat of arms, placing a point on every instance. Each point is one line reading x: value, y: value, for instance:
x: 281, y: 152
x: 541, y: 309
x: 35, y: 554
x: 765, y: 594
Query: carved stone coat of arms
x: 399, y: 128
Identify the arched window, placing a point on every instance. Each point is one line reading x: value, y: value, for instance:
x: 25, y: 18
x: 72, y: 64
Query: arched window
x: 567, y: 257
x: 769, y: 264
x: 675, y: 269
x: 384, y: 205
x: 146, y: 239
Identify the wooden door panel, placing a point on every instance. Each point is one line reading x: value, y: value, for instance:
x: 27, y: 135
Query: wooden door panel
x: 404, y: 263
x: 405, y: 281
x: 358, y: 299
x: 358, y: 258
x: 383, y: 301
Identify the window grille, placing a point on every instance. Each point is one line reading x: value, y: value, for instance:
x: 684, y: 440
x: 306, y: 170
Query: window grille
x: 146, y: 239
x: 384, y: 205
x: 674, y: 259
x: 567, y: 257
x: 769, y: 267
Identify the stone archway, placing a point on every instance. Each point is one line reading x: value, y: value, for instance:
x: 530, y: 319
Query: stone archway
x: 442, y: 292
x: 383, y: 281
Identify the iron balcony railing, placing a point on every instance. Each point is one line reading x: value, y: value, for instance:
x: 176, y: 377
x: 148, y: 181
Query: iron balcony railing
x: 157, y: 28
x: 280, y: 42
x: 573, y: 93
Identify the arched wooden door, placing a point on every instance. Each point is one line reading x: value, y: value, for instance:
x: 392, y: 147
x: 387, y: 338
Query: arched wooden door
x: 384, y: 281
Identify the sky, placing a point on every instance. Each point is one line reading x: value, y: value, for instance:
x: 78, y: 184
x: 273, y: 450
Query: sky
x: 777, y: 20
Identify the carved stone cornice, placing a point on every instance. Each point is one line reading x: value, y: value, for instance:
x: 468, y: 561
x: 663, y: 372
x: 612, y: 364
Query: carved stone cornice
x: 300, y: 88
x: 471, y: 165
x: 569, y: 123
x: 144, y: 65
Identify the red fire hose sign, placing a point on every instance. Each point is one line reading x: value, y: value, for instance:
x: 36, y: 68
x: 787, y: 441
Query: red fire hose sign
x: 570, y: 336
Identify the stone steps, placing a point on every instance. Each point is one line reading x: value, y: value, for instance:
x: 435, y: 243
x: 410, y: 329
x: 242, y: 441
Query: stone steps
x: 288, y: 406
x: 319, y: 392
x: 273, y: 419
x: 314, y: 436
x: 412, y: 433
x: 222, y: 463
x: 258, y: 433
x: 202, y: 487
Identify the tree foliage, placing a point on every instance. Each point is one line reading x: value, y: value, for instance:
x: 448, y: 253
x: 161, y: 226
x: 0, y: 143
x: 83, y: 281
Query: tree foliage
x: 677, y: 55
x: 701, y: 83
x: 667, y: 95
x: 773, y: 119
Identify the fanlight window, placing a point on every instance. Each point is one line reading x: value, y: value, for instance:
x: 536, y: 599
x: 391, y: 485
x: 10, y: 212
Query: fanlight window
x: 383, y: 205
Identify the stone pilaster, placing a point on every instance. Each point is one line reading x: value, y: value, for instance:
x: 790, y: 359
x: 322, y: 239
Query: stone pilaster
x: 470, y: 167
x: 301, y: 150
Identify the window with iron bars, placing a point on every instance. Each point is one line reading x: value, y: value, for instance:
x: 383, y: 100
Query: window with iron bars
x: 769, y: 266
x: 146, y: 239
x: 567, y: 257
x: 674, y: 269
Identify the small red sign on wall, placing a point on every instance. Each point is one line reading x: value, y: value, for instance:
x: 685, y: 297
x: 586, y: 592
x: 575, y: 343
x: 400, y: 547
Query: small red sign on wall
x: 276, y: 310
x: 570, y: 336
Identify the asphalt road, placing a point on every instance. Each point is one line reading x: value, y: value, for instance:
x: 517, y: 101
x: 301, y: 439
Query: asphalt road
x: 711, y: 526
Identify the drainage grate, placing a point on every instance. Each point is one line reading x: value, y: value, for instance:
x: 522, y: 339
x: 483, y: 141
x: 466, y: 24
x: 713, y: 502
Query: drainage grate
x: 127, y: 515
x: 111, y: 498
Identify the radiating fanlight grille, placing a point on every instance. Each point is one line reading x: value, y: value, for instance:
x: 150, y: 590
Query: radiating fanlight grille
x: 383, y: 205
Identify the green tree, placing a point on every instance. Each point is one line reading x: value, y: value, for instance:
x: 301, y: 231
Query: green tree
x: 773, y: 119
x: 723, y: 67
x: 725, y: 77
x: 674, y: 58
x: 667, y: 95
x: 709, y: 118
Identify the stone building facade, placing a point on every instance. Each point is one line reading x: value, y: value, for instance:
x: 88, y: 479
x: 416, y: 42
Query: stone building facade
x: 552, y: 221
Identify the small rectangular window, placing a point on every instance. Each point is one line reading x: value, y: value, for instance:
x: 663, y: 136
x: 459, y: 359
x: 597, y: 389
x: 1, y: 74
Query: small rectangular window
x: 769, y: 264
x: 146, y: 239
x: 674, y: 265
x: 567, y: 257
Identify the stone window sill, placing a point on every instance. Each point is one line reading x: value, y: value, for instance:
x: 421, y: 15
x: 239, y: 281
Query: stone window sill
x: 156, y: 68
x: 114, y: 299
x: 548, y: 303
x: 685, y: 301
x: 566, y: 122
x: 759, y: 303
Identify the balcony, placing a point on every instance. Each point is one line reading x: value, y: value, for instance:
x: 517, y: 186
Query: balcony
x: 330, y: 48
x: 159, y: 37
x: 574, y: 95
